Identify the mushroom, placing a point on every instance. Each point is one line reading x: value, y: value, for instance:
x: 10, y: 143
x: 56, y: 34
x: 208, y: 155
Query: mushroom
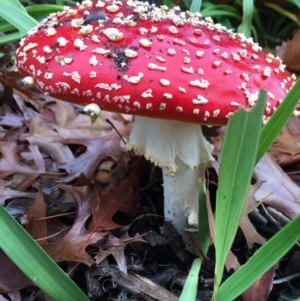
x: 174, y: 70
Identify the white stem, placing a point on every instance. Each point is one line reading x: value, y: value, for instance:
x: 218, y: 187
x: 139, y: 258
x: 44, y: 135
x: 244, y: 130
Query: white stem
x: 181, y: 202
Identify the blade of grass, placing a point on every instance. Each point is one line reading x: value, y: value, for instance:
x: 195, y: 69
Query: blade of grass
x: 245, y: 27
x: 16, y: 16
x: 236, y: 169
x: 34, y: 262
x: 10, y: 37
x: 189, y: 291
x: 16, y: 4
x: 195, y: 6
x: 276, y: 123
x: 282, y: 11
x: 266, y: 257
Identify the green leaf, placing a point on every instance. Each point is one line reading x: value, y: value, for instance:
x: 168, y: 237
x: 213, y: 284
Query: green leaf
x: 266, y: 257
x: 236, y: 169
x: 189, y: 291
x: 195, y: 6
x: 281, y: 11
x: 296, y: 2
x: 276, y: 123
x: 14, y: 13
x: 34, y: 262
x: 245, y: 27
x: 10, y: 37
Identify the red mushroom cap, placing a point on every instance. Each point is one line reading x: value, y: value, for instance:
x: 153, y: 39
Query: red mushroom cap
x: 131, y: 57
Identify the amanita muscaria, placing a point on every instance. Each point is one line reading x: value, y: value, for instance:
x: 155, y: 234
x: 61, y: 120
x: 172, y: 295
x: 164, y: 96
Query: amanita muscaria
x: 173, y: 70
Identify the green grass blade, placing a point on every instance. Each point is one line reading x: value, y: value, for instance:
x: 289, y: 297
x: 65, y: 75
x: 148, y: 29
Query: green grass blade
x: 276, y: 123
x: 34, y: 262
x: 195, y: 6
x: 266, y: 257
x: 236, y: 169
x: 218, y: 13
x: 43, y: 9
x: 282, y: 11
x: 245, y: 27
x: 189, y: 291
x: 16, y: 16
x: 203, y: 225
x: 296, y: 2
x: 16, y: 4
x: 10, y: 37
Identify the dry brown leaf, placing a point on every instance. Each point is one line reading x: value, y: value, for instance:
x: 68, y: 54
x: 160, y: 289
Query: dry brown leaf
x: 11, y: 278
x: 11, y: 162
x: 260, y: 290
x: 121, y: 196
x: 72, y: 246
x: 7, y: 193
x: 117, y: 253
x: 277, y: 189
x: 290, y: 51
x: 286, y: 149
x: 251, y: 235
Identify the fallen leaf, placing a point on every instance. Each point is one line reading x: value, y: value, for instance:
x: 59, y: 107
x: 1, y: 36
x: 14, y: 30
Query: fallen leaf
x: 11, y: 278
x: 277, y: 189
x: 289, y: 51
x: 286, y: 149
x: 72, y: 246
x: 260, y: 290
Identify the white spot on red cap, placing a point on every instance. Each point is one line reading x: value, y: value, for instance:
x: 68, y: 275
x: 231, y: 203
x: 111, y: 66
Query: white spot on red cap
x: 187, y: 70
x: 267, y: 72
x: 29, y: 46
x: 147, y: 93
x: 48, y: 75
x: 112, y: 8
x: 143, y: 30
x: 62, y: 41
x: 171, y: 51
x: 173, y: 29
x: 80, y: 44
x: 113, y: 34
x: 168, y: 95
x: 146, y: 43
x: 200, y: 53
x: 153, y: 66
x: 74, y: 75
x: 201, y: 100
x: 63, y: 60
x: 162, y: 106
x: 178, y: 41
x: 164, y: 82
x: 85, y: 30
x: 51, y: 32
x: 134, y: 79
x: 130, y: 53
x: 102, y: 51
x: 76, y: 23
x: 204, y: 84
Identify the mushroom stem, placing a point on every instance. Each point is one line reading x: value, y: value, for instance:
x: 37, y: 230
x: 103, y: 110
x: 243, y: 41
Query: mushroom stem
x: 180, y: 149
x: 181, y: 202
